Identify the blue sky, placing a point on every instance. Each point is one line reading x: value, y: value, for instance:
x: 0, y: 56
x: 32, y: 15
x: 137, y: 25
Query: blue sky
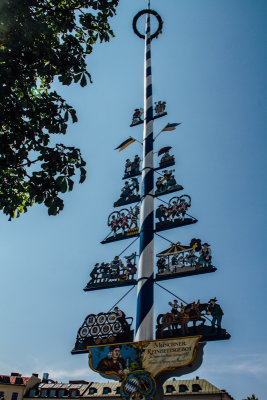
x: 210, y: 67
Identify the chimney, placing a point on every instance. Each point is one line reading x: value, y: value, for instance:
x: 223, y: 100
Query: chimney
x: 36, y: 375
x: 45, y: 377
x: 15, y: 374
x: 197, y: 378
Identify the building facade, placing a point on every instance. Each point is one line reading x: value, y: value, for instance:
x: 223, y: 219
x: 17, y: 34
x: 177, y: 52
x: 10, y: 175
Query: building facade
x: 196, y: 389
x: 14, y: 386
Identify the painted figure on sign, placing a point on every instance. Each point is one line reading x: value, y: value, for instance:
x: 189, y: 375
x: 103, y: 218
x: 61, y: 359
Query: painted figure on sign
x: 174, y: 310
x: 134, y: 213
x: 138, y: 112
x: 131, y: 268
x: 166, y: 183
x: 114, y: 272
x: 159, y: 184
x: 160, y: 107
x: 136, y: 164
x: 195, y: 244
x: 216, y: 312
x: 134, y: 186
x: 182, y: 208
x: 176, y: 262
x: 105, y: 271
x: 115, y: 267
x: 113, y: 362
x: 190, y: 319
x: 124, y: 222
x: 129, y: 193
x: 178, y: 258
x: 128, y: 168
x: 169, y: 178
x: 162, y: 213
x: 126, y: 191
x: 132, y: 168
x: 190, y: 258
x: 130, y: 265
x: 114, y: 224
x: 205, y: 255
x: 103, y: 328
x: 94, y: 273
x: 166, y: 157
x: 122, y: 319
x: 161, y: 264
x: 171, y: 181
x: 173, y: 210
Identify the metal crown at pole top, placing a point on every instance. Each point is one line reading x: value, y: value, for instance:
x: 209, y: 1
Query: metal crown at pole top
x: 145, y: 286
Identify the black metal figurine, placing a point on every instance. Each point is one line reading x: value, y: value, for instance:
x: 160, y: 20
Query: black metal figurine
x: 103, y: 328
x: 160, y: 107
x: 159, y: 111
x: 166, y: 160
x: 167, y: 183
x: 175, y: 323
x: 129, y: 193
x: 216, y: 312
x: 132, y: 168
x: 123, y: 224
x: 113, y: 274
x: 184, y: 260
x: 137, y: 116
x: 174, y: 214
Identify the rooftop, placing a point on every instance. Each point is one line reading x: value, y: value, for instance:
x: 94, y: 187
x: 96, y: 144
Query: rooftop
x: 80, y: 388
x: 13, y: 379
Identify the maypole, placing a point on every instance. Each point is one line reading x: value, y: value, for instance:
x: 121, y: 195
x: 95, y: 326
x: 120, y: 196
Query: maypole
x: 143, y: 364
x: 145, y: 286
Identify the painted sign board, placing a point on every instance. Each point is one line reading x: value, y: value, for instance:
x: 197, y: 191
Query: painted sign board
x: 153, y: 356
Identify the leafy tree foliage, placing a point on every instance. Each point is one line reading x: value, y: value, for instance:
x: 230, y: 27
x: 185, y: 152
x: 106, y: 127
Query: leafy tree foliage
x: 40, y: 41
x: 252, y: 397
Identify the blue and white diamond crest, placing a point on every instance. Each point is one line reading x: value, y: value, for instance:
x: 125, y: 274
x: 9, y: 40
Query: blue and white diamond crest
x: 138, y: 382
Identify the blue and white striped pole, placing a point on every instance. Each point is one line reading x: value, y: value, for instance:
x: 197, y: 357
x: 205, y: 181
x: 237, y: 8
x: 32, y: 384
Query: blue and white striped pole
x: 145, y: 286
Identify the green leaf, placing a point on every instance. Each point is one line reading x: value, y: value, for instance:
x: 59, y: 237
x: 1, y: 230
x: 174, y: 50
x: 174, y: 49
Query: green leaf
x: 64, y: 186
x: 43, y: 44
x: 52, y: 210
x: 77, y: 77
x: 73, y: 115
x: 67, y: 80
x: 83, y: 175
x: 70, y: 183
x: 49, y: 201
x: 83, y: 81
